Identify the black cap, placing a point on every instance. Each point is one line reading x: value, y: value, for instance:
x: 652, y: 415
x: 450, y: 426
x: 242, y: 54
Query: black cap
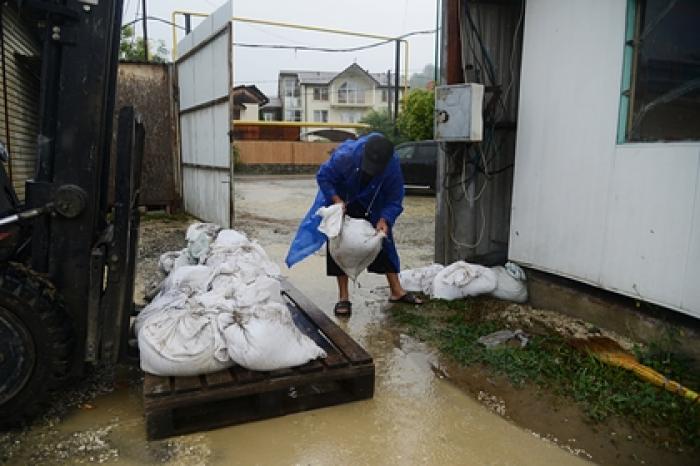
x: 378, y: 152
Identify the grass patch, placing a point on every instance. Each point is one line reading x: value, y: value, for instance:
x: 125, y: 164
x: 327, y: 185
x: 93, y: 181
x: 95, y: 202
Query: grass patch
x: 162, y: 216
x: 601, y: 390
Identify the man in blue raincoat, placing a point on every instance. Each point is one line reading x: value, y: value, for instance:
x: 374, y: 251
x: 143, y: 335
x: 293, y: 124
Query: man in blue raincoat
x: 365, y: 176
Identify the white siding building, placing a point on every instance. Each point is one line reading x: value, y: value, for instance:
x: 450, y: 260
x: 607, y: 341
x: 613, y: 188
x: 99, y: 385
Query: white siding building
x: 600, y: 122
x: 333, y: 97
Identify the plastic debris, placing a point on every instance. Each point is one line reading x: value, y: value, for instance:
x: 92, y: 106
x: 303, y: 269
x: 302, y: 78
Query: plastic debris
x: 501, y: 337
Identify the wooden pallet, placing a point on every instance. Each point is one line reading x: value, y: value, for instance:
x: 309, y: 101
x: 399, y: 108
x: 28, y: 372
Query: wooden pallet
x: 180, y: 405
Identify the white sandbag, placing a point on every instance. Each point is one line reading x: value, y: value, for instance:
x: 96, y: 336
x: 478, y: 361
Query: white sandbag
x: 172, y: 260
x: 248, y: 259
x: 462, y: 279
x: 238, y: 294
x: 266, y: 339
x: 188, y: 279
x: 357, y: 245
x: 182, y: 343
x: 420, y: 280
x: 162, y: 303
x: 515, y: 271
x: 209, y: 229
x: 331, y: 220
x: 261, y: 291
x: 510, y: 283
x: 229, y: 239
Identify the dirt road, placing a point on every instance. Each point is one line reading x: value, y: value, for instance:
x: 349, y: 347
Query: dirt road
x: 416, y: 417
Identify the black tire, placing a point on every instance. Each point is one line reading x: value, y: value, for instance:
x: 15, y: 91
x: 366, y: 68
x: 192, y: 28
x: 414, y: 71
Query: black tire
x: 35, y: 343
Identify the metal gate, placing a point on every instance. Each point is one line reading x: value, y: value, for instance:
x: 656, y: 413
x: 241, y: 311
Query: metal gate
x: 205, y: 81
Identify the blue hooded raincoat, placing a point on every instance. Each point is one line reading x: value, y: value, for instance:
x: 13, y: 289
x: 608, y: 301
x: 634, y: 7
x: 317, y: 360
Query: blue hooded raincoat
x: 382, y: 197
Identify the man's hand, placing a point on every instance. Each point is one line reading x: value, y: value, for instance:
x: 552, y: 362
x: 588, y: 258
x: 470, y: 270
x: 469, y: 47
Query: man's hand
x: 383, y: 226
x: 337, y: 200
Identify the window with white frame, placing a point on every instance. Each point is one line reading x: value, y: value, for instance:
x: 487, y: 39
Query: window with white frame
x: 660, y: 98
x: 290, y: 86
x: 321, y: 116
x: 321, y: 93
x: 292, y: 115
x: 350, y: 93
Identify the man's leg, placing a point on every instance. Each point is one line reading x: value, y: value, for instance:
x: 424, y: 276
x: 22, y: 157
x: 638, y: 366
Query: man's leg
x: 343, y: 294
x: 396, y: 290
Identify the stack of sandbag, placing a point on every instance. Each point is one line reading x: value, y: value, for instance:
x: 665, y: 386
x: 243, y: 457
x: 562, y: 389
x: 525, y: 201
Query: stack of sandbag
x: 420, y: 280
x: 221, y: 305
x: 352, y: 242
x: 461, y: 279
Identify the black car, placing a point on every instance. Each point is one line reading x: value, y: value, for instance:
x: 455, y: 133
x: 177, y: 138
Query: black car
x: 419, y: 164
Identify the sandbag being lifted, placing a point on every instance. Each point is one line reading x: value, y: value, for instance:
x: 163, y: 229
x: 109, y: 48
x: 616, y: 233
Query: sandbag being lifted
x: 352, y: 242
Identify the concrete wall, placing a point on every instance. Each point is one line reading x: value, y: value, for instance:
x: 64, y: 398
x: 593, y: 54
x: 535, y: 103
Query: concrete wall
x: 148, y: 87
x: 284, y: 152
x: 623, y: 217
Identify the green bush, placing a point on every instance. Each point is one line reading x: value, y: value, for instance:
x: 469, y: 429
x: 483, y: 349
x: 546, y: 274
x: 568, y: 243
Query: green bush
x: 416, y: 121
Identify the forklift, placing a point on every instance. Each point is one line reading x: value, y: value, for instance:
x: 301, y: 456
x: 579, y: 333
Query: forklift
x: 68, y: 253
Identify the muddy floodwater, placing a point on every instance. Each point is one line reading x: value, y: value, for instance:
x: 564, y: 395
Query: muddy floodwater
x: 416, y: 416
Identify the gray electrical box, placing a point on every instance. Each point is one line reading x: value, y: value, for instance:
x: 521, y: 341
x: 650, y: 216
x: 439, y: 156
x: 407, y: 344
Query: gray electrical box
x: 458, y: 113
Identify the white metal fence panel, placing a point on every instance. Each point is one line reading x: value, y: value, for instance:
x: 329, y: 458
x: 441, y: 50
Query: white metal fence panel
x: 204, y: 70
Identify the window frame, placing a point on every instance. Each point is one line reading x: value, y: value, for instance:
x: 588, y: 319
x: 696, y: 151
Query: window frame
x: 320, y: 93
x: 628, y: 83
x: 320, y: 116
x: 351, y: 94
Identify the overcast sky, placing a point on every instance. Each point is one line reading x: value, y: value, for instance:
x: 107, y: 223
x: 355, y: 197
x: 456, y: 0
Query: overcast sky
x: 261, y: 66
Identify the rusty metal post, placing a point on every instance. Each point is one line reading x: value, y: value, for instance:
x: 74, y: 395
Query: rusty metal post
x: 455, y: 73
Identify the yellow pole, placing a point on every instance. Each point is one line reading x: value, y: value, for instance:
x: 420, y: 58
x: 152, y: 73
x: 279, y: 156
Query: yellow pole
x: 405, y: 76
x: 173, y: 49
x: 310, y: 28
x: 302, y: 124
x: 172, y: 20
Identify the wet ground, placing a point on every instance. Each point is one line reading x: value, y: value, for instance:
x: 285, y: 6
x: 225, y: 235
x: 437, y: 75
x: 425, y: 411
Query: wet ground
x: 416, y: 417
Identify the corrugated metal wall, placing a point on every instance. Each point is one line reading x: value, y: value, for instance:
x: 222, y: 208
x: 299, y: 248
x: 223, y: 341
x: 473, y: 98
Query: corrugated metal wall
x: 474, y: 207
x: 205, y: 81
x: 19, y: 95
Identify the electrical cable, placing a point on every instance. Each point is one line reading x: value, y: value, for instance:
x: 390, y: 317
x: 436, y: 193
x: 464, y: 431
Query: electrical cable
x: 477, y: 158
x: 152, y: 18
x: 511, y: 59
x: 332, y: 50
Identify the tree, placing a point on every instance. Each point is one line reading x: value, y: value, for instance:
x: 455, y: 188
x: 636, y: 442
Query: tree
x: 132, y: 47
x: 416, y: 121
x: 422, y: 79
x: 381, y: 123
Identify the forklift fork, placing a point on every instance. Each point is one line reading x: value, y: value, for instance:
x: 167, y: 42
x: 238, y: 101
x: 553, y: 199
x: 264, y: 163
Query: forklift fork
x: 113, y: 259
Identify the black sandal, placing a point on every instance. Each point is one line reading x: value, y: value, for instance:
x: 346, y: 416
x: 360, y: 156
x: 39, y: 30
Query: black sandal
x: 408, y: 298
x: 343, y: 305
